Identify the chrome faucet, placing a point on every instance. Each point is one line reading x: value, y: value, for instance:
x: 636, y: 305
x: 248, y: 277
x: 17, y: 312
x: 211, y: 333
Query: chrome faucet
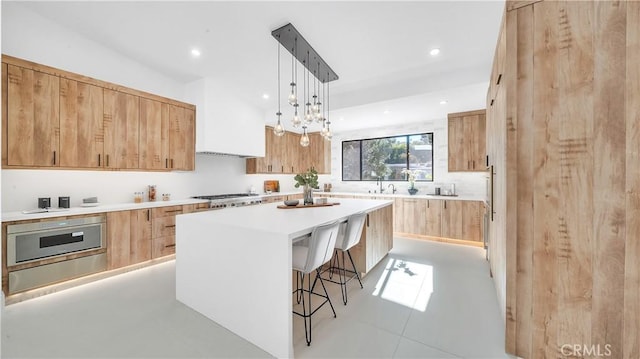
x: 379, y: 182
x: 393, y: 187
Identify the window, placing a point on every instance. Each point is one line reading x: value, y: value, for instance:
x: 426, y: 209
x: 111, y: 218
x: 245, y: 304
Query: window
x: 386, y: 157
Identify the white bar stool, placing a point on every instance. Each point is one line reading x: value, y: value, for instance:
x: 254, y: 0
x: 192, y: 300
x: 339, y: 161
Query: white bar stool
x: 308, y: 259
x: 345, y: 241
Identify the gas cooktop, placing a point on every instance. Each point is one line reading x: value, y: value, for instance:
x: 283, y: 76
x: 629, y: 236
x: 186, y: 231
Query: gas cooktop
x: 224, y: 196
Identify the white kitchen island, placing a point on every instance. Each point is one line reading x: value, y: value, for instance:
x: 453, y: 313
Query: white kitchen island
x: 234, y: 265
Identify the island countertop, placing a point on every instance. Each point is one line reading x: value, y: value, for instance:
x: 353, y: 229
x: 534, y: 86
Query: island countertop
x: 290, y: 222
x: 229, y: 260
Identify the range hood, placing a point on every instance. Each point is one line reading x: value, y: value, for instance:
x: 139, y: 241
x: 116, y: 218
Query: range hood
x: 225, y: 124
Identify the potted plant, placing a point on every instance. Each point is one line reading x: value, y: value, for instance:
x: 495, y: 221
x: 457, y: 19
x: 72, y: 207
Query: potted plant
x: 411, y: 177
x: 308, y: 180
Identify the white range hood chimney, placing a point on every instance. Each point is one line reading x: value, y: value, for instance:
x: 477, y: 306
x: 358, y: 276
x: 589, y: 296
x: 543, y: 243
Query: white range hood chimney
x: 225, y: 124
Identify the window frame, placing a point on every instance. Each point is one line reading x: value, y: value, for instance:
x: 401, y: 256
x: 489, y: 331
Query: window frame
x: 408, y: 165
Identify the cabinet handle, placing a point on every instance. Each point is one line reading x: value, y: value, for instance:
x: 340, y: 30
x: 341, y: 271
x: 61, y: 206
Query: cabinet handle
x: 166, y: 163
x: 474, y: 164
x: 172, y: 163
x: 98, y: 160
x: 282, y: 170
x: 148, y: 215
x: 291, y: 169
x: 427, y: 203
x: 54, y: 157
x: 367, y: 220
x: 499, y: 78
x: 445, y: 204
x: 107, y: 160
x: 170, y: 245
x: 170, y: 226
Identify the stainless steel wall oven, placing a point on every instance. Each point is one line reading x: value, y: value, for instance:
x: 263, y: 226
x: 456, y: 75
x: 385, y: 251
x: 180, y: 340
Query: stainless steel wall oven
x: 33, y: 242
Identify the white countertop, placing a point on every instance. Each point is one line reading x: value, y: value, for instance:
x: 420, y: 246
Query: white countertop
x: 291, y: 222
x: 406, y: 195
x: 73, y: 211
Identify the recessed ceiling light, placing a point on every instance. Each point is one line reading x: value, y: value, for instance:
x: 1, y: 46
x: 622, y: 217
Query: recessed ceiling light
x: 386, y: 112
x: 434, y: 52
x: 195, y: 53
x: 265, y: 96
x: 443, y: 102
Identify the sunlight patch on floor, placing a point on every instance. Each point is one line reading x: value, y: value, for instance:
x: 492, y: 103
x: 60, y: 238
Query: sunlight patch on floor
x: 406, y: 283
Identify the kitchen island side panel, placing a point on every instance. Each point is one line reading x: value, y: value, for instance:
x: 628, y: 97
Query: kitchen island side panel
x: 238, y: 277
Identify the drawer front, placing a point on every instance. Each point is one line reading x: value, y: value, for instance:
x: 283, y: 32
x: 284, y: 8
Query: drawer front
x: 163, y: 246
x: 166, y: 211
x: 164, y: 226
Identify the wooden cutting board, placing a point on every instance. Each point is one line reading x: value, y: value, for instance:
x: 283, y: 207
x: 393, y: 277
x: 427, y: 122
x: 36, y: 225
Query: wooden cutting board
x: 273, y: 186
x: 282, y: 206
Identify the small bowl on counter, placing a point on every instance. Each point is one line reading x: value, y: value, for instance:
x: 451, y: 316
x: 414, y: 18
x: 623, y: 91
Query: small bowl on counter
x: 291, y: 202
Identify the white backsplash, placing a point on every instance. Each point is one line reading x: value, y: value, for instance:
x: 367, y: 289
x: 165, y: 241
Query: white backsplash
x: 466, y: 183
x: 213, y: 175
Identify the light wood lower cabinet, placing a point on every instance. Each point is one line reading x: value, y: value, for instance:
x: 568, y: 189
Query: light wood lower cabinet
x: 140, y: 235
x: 433, y: 218
x: 376, y: 240
x: 452, y: 219
x: 164, y: 230
x: 413, y: 215
x: 128, y: 237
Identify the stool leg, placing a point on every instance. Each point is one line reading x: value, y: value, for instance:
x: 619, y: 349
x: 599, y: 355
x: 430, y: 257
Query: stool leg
x: 298, y: 287
x: 354, y: 268
x: 306, y: 316
x: 325, y: 291
x: 343, y: 280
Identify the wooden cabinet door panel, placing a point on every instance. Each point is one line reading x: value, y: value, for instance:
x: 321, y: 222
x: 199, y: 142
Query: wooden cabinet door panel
x: 452, y: 219
x: 33, y: 122
x: 413, y: 216
x: 81, y: 127
x: 163, y: 246
x: 121, y: 126
x: 398, y: 215
x: 154, y: 134
x: 164, y: 226
x: 140, y: 243
x: 118, y: 239
x: 181, y: 138
x: 433, y: 218
x: 471, y: 220
x: 478, y: 147
x: 457, y: 153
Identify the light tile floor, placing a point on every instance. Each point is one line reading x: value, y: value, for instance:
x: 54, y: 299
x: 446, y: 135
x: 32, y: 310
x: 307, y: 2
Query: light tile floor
x: 425, y: 300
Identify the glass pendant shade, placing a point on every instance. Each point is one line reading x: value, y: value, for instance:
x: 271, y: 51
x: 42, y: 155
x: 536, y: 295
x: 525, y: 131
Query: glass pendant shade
x: 304, y: 139
x: 308, y: 116
x: 278, y: 130
x: 293, y: 99
x: 296, y: 122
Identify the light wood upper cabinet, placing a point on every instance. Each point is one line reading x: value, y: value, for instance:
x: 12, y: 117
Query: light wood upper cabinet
x: 181, y: 138
x: 81, y: 125
x: 467, y: 141
x: 154, y: 134
x: 33, y: 122
x: 57, y: 119
x: 121, y: 126
x: 285, y: 155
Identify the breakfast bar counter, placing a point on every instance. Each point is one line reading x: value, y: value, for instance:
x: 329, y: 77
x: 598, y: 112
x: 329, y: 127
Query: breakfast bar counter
x: 234, y: 266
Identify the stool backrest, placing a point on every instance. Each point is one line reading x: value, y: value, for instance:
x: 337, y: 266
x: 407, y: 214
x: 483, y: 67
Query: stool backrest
x: 321, y: 244
x: 352, y: 233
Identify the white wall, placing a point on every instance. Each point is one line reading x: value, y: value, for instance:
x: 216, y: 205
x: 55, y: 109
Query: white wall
x: 30, y: 36
x: 466, y: 183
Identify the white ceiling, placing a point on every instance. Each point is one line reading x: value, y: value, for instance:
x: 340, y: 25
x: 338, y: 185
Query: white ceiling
x: 379, y: 49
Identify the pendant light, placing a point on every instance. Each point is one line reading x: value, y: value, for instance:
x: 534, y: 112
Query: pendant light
x: 328, y: 135
x: 278, y: 130
x: 308, y: 117
x: 304, y: 139
x: 293, y: 96
x: 313, y: 109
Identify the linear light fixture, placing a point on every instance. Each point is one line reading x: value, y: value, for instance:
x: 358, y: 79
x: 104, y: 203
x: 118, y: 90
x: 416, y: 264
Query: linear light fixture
x: 304, y: 53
